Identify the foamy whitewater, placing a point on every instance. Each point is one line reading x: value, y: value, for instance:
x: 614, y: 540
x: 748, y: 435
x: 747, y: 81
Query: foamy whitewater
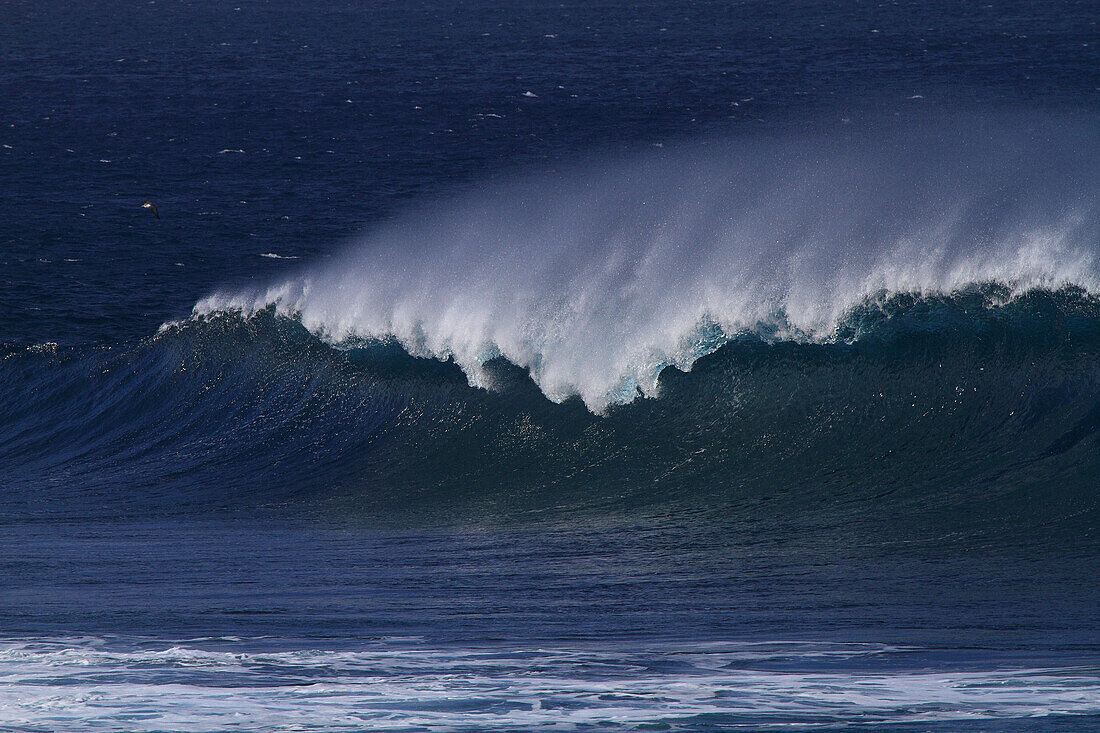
x: 54, y: 684
x: 594, y: 278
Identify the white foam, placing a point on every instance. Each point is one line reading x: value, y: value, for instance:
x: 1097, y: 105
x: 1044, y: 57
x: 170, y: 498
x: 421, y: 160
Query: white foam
x: 85, y: 684
x: 595, y: 278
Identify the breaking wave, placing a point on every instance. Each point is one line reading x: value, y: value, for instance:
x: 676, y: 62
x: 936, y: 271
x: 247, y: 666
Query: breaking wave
x: 597, y: 277
x: 787, y: 330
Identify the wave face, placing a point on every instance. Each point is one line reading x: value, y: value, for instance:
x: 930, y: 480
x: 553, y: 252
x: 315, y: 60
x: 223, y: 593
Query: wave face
x: 595, y: 279
x: 841, y: 439
x: 809, y: 322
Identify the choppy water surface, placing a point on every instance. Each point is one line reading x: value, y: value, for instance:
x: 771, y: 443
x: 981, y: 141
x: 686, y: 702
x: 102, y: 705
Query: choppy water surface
x: 757, y: 686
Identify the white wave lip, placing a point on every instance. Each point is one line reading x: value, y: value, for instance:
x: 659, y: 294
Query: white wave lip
x: 83, y: 684
x: 597, y: 277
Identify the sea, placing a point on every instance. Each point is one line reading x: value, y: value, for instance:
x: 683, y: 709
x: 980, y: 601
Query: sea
x: 530, y: 365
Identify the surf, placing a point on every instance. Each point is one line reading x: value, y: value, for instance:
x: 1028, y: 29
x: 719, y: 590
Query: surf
x: 809, y: 320
x: 595, y: 277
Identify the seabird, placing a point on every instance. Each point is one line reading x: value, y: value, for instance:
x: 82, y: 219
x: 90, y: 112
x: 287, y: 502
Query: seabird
x: 152, y: 207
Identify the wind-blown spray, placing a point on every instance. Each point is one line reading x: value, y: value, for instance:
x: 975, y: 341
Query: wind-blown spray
x: 597, y: 277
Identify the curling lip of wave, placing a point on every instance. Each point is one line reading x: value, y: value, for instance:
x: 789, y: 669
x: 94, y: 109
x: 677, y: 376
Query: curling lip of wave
x: 596, y: 279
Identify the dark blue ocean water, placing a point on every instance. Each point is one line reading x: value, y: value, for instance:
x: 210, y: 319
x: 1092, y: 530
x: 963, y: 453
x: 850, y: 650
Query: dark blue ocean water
x: 513, y: 366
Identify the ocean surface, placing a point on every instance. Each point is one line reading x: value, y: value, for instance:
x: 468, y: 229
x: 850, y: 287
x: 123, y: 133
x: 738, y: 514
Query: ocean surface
x: 510, y: 366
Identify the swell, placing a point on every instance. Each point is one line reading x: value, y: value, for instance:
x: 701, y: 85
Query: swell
x: 972, y: 417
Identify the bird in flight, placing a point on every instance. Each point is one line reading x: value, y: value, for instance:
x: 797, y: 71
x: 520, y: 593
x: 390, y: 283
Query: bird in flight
x: 152, y: 207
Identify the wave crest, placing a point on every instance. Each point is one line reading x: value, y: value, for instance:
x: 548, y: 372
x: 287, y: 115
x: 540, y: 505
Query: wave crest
x: 597, y: 277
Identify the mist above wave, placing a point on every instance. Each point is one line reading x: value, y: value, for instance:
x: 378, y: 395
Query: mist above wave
x: 597, y: 276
